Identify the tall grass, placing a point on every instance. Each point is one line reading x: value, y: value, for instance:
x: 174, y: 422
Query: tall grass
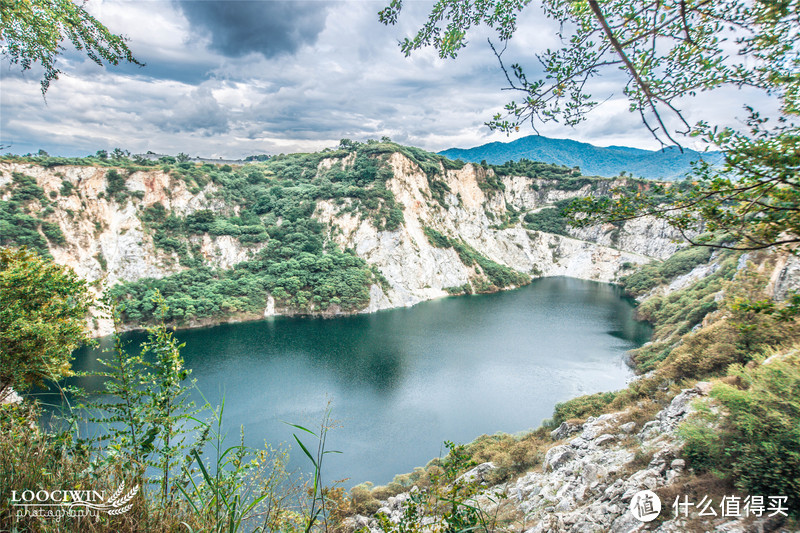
x: 175, y: 459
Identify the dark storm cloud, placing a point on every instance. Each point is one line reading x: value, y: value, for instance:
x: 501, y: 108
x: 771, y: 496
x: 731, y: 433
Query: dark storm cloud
x: 267, y: 27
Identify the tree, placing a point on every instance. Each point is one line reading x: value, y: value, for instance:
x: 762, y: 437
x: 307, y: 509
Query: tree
x: 119, y: 155
x: 43, y: 311
x: 32, y: 31
x: 669, y: 50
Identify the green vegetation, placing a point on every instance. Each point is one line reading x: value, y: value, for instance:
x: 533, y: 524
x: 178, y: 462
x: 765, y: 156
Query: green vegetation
x: 43, y: 310
x: 498, y: 276
x: 678, y: 312
x: 115, y: 186
x: 549, y: 219
x: 658, y: 272
x: 33, y: 32
x: 757, y: 444
x: 101, y: 159
x: 268, y: 206
x: 490, y: 182
x: 564, y: 178
x: 459, y: 289
x: 443, y: 500
x: 23, y: 216
x: 301, y: 280
x: 438, y: 190
x: 169, y: 466
x: 66, y: 188
x: 582, y: 407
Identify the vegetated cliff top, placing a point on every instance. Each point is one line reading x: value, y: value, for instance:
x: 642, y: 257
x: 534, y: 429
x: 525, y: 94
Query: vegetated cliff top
x: 670, y: 163
x: 232, y: 242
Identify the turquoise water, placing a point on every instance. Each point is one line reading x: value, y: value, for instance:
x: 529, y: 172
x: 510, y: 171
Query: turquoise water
x: 402, y: 381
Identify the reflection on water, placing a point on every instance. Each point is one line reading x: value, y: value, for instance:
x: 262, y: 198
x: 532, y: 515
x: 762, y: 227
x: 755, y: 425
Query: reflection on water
x: 402, y: 381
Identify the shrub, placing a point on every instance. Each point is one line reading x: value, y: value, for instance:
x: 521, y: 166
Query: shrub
x: 656, y: 273
x: 548, y: 220
x: 582, y: 407
x: 757, y: 444
x: 115, y: 186
x: 532, y: 169
x: 43, y: 308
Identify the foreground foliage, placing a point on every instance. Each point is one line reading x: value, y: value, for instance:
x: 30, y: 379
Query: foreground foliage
x: 151, y: 438
x: 33, y: 32
x: 43, y: 310
x: 154, y: 442
x: 757, y: 443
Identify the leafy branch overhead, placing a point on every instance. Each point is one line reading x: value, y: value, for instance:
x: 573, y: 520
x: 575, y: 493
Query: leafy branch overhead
x: 753, y: 199
x: 667, y: 48
x: 669, y: 51
x: 32, y: 31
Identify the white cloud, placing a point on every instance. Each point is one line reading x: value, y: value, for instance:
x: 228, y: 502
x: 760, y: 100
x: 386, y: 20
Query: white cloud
x: 347, y: 80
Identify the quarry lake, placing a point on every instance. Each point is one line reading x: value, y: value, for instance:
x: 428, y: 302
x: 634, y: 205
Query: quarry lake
x: 402, y: 381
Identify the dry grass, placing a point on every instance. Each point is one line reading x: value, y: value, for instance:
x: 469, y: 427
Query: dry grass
x: 694, y: 488
x: 33, y: 460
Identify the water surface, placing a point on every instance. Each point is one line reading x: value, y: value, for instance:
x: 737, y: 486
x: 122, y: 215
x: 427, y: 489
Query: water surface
x: 404, y: 380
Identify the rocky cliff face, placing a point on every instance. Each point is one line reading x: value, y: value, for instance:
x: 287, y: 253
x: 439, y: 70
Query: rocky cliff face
x: 592, y: 472
x: 590, y: 479
x: 417, y: 270
x: 107, y: 242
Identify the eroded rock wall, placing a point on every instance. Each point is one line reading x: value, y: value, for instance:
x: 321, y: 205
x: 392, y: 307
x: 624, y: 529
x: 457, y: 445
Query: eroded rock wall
x: 107, y: 242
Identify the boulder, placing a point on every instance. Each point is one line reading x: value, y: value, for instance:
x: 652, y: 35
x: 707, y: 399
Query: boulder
x: 557, y: 456
x: 477, y: 474
x: 565, y: 430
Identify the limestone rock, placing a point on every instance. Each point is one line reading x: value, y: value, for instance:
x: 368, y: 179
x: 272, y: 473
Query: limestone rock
x: 565, y: 430
x: 557, y: 456
x: 477, y: 473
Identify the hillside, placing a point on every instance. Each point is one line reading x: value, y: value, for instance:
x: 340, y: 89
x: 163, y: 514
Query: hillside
x: 712, y: 418
x: 341, y: 231
x: 712, y: 414
x: 668, y: 164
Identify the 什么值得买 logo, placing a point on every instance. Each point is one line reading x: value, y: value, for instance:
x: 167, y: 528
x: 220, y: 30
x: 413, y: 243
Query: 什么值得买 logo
x: 59, y: 503
x: 645, y: 505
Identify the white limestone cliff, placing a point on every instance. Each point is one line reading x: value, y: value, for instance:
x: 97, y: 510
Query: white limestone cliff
x: 106, y: 241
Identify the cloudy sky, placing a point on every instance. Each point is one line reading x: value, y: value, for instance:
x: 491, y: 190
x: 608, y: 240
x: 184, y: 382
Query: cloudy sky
x: 231, y: 78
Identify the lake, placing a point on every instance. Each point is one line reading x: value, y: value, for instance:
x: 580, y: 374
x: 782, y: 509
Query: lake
x: 402, y: 381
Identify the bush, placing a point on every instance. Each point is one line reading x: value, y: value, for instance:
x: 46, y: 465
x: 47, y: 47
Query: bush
x: 116, y: 187
x: 758, y: 442
x: 548, y: 220
x: 656, y: 273
x: 533, y: 169
x: 66, y: 188
x: 43, y: 309
x: 582, y: 407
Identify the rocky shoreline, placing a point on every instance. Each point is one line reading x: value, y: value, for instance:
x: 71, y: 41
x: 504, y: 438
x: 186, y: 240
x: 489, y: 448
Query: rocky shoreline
x: 589, y: 477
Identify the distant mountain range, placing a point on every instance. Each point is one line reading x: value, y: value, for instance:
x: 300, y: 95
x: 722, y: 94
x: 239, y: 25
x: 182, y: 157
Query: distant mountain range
x: 670, y: 163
